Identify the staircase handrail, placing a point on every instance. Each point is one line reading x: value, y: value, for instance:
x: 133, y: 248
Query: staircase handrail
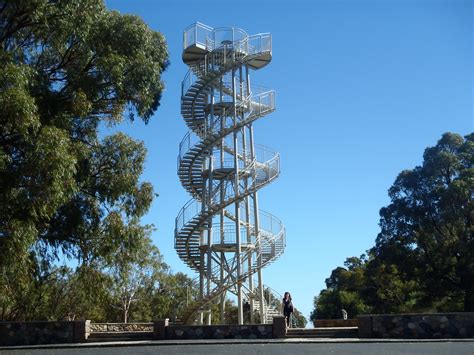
x: 195, y: 205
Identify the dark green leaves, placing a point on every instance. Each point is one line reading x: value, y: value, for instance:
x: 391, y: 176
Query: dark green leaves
x: 65, y: 67
x: 423, y: 259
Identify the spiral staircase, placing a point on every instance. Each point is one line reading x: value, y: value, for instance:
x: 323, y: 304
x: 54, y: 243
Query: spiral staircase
x: 221, y: 233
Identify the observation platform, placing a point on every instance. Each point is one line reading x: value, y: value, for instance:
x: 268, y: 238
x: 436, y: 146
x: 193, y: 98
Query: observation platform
x: 200, y: 40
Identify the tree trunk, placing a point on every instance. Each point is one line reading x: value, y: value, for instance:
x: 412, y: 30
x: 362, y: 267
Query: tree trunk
x: 126, y: 307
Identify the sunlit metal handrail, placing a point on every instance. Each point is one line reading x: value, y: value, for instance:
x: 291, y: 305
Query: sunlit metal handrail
x: 213, y: 61
x: 190, y: 142
x: 259, y: 103
x: 193, y: 208
x: 196, y: 33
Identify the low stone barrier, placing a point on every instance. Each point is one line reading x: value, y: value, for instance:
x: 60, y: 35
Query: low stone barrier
x: 334, y: 323
x: 417, y: 326
x: 33, y: 333
x: 163, y: 330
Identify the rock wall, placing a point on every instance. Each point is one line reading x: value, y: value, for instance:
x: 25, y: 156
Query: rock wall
x: 417, y: 326
x: 32, y: 333
x: 262, y: 331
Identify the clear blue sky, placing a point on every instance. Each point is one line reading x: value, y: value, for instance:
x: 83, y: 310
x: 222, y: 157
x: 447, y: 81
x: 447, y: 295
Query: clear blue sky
x: 363, y: 87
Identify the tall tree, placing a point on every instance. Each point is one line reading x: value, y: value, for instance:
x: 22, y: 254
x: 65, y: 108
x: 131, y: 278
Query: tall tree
x: 172, y: 296
x: 344, y: 290
x: 423, y: 259
x: 65, y: 67
x: 426, y: 231
x: 136, y: 269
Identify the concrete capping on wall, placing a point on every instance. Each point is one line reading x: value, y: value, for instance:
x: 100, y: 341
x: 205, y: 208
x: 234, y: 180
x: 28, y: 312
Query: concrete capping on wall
x: 417, y: 325
x: 43, y: 332
x: 162, y: 330
x: 334, y: 323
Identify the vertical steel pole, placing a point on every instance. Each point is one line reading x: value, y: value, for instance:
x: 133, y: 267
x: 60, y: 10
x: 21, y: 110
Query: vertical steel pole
x: 257, y: 234
x: 210, y: 128
x: 201, y: 277
x: 255, y: 231
x: 222, y: 220
x: 248, y: 251
x: 237, y: 207
x: 256, y: 217
x: 209, y: 234
x: 201, y: 254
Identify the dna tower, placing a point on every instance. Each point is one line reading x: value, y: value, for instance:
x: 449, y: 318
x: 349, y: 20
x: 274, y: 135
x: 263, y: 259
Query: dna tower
x: 221, y: 233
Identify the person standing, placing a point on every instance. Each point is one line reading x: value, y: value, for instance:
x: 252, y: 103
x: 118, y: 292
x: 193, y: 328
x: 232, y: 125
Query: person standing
x: 287, y: 306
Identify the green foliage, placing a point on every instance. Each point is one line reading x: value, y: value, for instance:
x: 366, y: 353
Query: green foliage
x: 174, y: 294
x: 423, y: 259
x: 135, y: 268
x: 99, y: 294
x: 299, y: 319
x: 65, y: 67
x: 343, y: 291
x: 231, y: 313
x: 426, y: 231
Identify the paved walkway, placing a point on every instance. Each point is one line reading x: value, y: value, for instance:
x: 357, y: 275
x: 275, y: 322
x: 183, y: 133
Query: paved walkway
x: 147, y: 346
x: 277, y: 347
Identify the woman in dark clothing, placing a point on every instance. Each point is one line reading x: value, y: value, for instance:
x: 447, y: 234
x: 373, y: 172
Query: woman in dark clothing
x: 287, y: 307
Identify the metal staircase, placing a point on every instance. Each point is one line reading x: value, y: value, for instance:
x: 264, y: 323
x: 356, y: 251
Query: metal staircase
x: 221, y: 233
x: 270, y: 311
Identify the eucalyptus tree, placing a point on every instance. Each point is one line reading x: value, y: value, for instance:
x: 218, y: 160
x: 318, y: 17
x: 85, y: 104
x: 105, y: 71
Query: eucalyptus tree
x: 427, y: 235
x: 423, y: 258
x: 66, y: 68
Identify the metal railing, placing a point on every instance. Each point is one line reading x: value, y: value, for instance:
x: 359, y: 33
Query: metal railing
x: 225, y: 37
x: 215, y: 38
x: 193, y: 208
x: 219, y: 164
x: 197, y: 33
x: 259, y: 103
x: 217, y: 60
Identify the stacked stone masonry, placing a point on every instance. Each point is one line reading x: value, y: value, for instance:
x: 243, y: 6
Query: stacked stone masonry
x: 417, y: 326
x: 32, y: 333
x: 263, y: 331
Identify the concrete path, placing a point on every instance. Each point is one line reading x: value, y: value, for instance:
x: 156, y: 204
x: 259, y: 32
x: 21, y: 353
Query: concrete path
x: 247, y: 347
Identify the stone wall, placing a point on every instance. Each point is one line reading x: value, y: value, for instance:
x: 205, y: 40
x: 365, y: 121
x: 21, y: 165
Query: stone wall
x: 262, y: 331
x: 32, y: 333
x: 417, y: 326
x: 163, y: 330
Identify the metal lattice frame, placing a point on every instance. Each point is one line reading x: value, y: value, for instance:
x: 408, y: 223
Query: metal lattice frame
x: 220, y: 232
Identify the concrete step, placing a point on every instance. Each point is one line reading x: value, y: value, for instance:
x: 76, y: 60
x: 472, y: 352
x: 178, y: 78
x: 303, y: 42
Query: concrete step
x: 339, y: 332
x: 119, y: 336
